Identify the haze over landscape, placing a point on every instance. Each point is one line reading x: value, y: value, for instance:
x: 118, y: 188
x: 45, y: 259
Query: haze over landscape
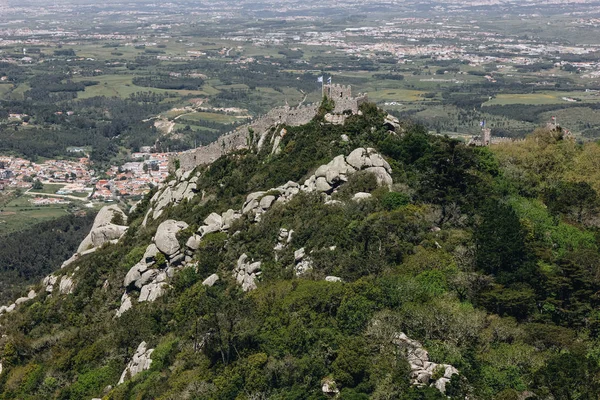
x: 288, y: 199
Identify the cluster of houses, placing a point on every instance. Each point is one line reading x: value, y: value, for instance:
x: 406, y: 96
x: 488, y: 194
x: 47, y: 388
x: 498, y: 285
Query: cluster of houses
x: 20, y: 173
x: 133, y: 178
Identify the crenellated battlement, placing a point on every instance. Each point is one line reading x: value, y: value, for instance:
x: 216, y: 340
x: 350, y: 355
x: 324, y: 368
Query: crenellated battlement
x: 335, y: 91
x: 257, y: 132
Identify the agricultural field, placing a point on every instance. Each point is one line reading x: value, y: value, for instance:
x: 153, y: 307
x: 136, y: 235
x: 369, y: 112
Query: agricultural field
x: 5, y: 88
x: 20, y: 213
x: 544, y: 98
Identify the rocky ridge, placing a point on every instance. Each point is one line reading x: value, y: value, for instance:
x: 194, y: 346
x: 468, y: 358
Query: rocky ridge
x: 423, y: 371
x: 148, y: 279
x: 152, y: 281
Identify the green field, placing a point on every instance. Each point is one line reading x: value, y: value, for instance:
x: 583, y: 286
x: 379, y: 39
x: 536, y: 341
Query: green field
x: 541, y: 98
x: 399, y: 95
x: 211, y: 117
x: 5, y: 88
x: 19, y: 92
x: 19, y: 214
x: 122, y: 86
x: 51, y: 188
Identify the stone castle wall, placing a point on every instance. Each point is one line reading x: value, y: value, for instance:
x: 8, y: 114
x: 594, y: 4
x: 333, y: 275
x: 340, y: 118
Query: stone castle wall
x: 257, y: 131
x: 240, y: 138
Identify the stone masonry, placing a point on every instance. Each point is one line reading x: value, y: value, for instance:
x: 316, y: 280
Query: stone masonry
x: 255, y: 133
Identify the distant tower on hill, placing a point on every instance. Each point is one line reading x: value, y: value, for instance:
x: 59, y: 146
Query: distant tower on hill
x: 486, y: 136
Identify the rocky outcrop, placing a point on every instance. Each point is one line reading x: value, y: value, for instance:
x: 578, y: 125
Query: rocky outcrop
x: 303, y: 263
x: 8, y: 309
x: 283, y: 239
x: 212, y: 223
x: 171, y: 193
x: 329, y: 176
x: 141, y: 361
x: 424, y: 372
x: 247, y: 273
x: 152, y: 291
x: 104, y: 230
x: 211, y: 280
x: 360, y: 196
x: 49, y: 283
x: 126, y: 304
x: 329, y: 387
x: 166, y: 237
x: 66, y: 285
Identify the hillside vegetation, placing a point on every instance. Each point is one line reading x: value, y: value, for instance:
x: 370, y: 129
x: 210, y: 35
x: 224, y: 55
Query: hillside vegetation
x: 487, y: 256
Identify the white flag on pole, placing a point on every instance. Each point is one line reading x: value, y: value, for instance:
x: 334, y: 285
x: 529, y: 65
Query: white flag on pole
x: 320, y: 79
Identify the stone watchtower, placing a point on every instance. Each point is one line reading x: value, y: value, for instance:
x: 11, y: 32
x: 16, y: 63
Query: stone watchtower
x: 486, y: 136
x: 336, y: 92
x: 342, y: 98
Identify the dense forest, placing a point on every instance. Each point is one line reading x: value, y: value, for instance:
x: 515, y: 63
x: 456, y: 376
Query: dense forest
x: 487, y: 256
x: 103, y: 123
x: 29, y: 255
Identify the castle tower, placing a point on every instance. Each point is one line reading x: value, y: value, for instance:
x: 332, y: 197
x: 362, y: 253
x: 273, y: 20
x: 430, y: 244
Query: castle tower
x: 337, y: 92
x: 486, y: 136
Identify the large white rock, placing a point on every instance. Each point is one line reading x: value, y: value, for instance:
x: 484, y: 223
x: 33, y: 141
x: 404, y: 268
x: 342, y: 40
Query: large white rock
x: 134, y: 274
x: 103, y: 230
x: 163, y: 201
x: 66, y: 285
x: 377, y: 160
x: 179, y: 192
x: 125, y: 304
x: 362, y: 158
x: 383, y: 177
x: 322, y: 185
x: 193, y: 243
x: 361, y: 196
x: 336, y: 171
x: 145, y: 221
x: 212, y: 223
x: 22, y: 300
x: 166, y: 236
x: 211, y: 280
x: 141, y: 361
x: 150, y: 254
x: 190, y: 191
x: 152, y: 291
x: 359, y: 158
x: 266, y: 202
x: 250, y: 206
x: 147, y: 277
x: 71, y: 260
x: 214, y: 219
x: 254, y: 196
x: 49, y: 283
x: 228, y: 217
x: 299, y: 254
